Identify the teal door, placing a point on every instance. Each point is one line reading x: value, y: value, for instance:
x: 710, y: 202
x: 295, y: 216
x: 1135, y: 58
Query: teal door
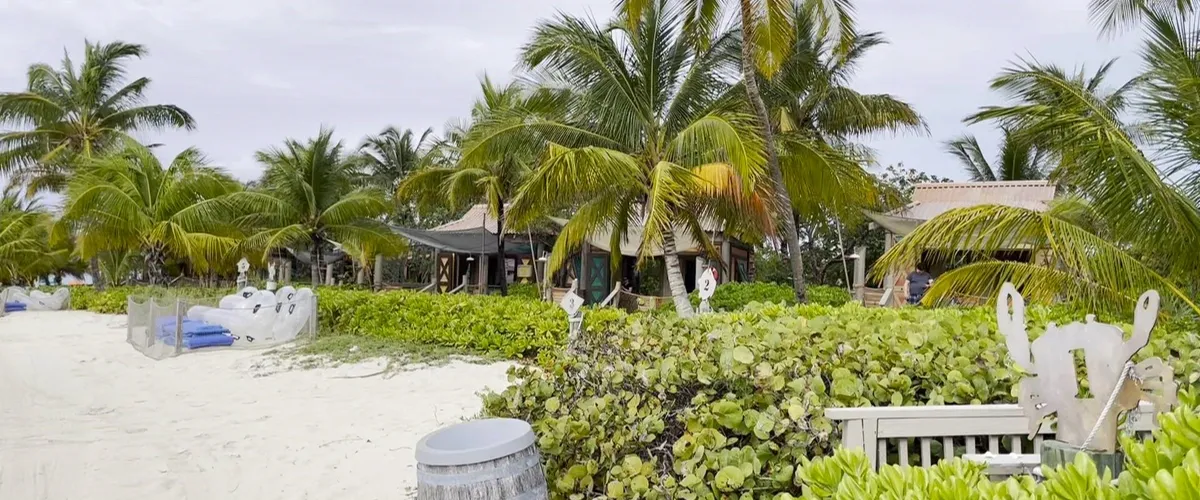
x: 598, y: 278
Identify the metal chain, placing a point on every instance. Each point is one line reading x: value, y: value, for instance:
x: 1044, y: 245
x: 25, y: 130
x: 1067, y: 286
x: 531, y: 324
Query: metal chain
x: 1112, y: 400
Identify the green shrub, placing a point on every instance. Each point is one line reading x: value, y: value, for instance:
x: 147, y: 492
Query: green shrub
x: 828, y: 295
x: 737, y: 399
x: 510, y: 326
x: 524, y: 290
x: 734, y: 296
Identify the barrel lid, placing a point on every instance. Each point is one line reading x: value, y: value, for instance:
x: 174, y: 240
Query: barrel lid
x: 474, y: 442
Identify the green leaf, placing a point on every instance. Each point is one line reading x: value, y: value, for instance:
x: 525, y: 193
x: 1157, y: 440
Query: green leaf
x: 729, y: 478
x: 743, y: 355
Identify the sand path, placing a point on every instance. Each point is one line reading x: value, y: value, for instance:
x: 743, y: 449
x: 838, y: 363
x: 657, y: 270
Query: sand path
x: 85, y: 416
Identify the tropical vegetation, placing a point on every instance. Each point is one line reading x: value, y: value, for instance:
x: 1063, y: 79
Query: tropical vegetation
x: 72, y: 112
x: 1125, y: 151
x: 733, y: 403
x: 312, y: 196
x: 1018, y: 160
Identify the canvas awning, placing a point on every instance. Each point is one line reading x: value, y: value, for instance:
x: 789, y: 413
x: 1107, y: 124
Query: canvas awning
x: 470, y: 241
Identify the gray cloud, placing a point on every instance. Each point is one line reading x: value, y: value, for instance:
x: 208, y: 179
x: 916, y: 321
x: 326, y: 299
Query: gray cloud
x: 256, y: 71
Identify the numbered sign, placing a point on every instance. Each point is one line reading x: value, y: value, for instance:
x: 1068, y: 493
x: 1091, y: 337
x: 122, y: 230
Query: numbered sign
x: 571, y: 302
x: 707, y: 284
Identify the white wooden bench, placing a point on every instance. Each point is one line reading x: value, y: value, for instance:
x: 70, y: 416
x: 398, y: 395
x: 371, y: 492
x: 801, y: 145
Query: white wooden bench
x: 887, y: 434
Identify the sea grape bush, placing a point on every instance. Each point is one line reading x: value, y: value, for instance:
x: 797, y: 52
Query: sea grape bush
x: 734, y: 296
x: 728, y: 404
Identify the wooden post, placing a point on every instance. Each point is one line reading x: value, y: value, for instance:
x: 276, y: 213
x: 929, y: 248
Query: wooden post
x: 726, y: 274
x: 585, y: 270
x: 860, y: 273
x: 379, y: 271
x: 483, y: 273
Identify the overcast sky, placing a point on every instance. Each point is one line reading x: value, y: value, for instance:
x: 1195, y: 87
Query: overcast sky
x: 253, y: 72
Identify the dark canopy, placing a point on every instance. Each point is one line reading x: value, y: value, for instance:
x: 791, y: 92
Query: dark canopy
x: 472, y: 241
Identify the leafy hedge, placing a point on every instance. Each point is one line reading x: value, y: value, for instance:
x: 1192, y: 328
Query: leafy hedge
x: 511, y: 326
x: 670, y: 407
x: 734, y: 296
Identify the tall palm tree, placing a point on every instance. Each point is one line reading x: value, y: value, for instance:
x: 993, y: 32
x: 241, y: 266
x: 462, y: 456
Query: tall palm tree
x: 494, y: 176
x: 819, y: 117
x: 127, y: 200
x: 1019, y: 160
x: 392, y: 155
x: 1145, y: 208
x: 310, y: 197
x: 766, y: 25
x: 70, y: 111
x: 639, y: 129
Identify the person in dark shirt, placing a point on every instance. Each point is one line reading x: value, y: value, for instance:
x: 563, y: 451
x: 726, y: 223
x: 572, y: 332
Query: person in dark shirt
x: 918, y: 284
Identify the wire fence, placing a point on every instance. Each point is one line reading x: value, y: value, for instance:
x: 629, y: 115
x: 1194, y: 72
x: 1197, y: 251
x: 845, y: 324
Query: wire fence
x: 164, y: 327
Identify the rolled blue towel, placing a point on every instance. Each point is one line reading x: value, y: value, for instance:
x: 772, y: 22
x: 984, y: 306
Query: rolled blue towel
x: 191, y: 328
x: 199, y: 341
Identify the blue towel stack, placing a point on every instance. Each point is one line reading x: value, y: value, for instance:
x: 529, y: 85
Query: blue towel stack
x: 196, y: 334
x: 13, y: 307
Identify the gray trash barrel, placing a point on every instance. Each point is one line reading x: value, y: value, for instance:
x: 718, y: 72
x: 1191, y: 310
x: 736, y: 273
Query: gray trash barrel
x: 489, y: 459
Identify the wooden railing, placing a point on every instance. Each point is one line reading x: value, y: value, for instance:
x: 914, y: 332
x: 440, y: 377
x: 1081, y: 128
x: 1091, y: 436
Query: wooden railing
x: 929, y: 434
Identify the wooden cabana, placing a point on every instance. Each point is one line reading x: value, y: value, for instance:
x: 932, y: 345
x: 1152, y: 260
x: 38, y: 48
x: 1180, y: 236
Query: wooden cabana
x: 930, y: 200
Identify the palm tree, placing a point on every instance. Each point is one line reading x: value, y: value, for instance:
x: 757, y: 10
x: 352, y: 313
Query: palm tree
x: 1144, y: 207
x: 309, y: 198
x: 768, y: 25
x: 389, y: 158
x: 127, y: 201
x: 492, y: 179
x: 25, y: 252
x: 1018, y: 160
x: 67, y: 111
x: 819, y: 116
x: 638, y: 129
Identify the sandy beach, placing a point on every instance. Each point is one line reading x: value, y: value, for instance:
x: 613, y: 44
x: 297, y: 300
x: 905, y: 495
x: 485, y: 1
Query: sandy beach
x: 85, y: 416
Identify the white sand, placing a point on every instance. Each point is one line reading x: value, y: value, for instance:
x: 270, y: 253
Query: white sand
x: 85, y: 416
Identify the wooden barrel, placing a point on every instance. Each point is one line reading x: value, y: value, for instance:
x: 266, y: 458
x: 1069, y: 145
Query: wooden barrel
x: 490, y: 459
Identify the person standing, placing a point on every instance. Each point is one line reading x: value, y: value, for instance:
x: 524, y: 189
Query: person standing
x: 918, y: 283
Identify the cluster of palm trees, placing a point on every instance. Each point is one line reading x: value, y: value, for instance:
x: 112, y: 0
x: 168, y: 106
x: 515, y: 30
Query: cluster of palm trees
x: 1125, y: 156
x: 659, y: 121
x: 662, y: 120
x: 73, y: 136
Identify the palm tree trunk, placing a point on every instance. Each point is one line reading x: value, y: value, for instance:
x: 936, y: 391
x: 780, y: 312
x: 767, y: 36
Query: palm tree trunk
x: 782, y: 198
x: 94, y: 269
x: 154, y: 261
x: 683, y: 306
x: 316, y: 261
x: 500, y: 249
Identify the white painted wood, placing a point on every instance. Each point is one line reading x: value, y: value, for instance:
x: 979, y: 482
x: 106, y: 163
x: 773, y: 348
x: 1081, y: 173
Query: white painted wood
x: 926, y: 459
x: 852, y: 435
x: 876, y: 429
x: 1000, y: 466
